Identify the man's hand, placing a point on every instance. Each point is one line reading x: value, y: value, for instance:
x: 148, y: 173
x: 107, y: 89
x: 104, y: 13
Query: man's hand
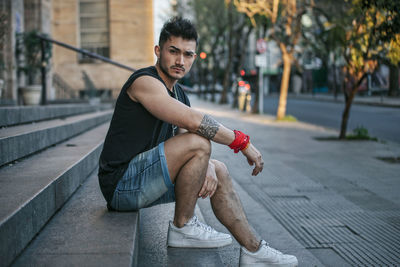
x: 210, y: 183
x: 254, y: 157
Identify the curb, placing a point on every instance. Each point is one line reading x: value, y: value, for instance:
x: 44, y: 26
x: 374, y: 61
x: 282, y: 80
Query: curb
x: 339, y: 100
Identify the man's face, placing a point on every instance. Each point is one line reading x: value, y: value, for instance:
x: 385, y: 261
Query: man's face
x: 176, y: 57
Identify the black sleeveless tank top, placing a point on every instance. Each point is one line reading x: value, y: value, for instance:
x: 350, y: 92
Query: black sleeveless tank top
x: 133, y: 130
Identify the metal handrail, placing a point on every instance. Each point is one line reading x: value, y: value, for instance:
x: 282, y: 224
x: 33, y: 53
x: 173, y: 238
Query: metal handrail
x: 44, y: 38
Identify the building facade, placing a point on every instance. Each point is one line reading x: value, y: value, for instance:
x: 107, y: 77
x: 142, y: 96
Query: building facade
x: 121, y: 30
x: 12, y: 22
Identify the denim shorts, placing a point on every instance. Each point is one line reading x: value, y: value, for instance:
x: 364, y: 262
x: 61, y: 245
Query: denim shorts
x: 145, y: 183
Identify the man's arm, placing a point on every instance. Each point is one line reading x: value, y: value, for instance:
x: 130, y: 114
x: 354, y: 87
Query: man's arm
x: 210, y: 182
x: 151, y: 93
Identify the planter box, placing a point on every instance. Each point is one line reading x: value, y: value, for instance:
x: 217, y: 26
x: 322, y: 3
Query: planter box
x: 31, y: 94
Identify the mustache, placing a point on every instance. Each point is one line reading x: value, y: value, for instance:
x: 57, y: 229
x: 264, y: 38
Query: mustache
x: 178, y: 67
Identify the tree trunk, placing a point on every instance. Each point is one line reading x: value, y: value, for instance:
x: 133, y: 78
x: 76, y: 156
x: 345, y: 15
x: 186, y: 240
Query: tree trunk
x: 215, y: 63
x: 201, y: 80
x: 346, y: 113
x: 287, y: 64
x: 214, y: 75
x: 255, y: 108
x: 393, y: 80
x: 214, y: 83
x: 206, y: 83
x: 227, y: 75
x: 335, y: 81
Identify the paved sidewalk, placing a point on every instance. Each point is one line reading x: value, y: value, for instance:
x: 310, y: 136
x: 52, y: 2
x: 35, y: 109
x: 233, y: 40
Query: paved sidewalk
x: 363, y: 100
x: 331, y: 203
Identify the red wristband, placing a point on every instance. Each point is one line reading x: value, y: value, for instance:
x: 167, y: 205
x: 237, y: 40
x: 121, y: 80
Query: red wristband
x: 241, y: 141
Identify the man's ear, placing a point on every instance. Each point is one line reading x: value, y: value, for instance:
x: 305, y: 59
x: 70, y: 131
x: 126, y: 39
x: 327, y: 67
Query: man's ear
x: 157, y: 51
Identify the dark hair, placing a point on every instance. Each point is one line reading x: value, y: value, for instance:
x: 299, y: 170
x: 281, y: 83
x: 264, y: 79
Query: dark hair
x: 178, y: 27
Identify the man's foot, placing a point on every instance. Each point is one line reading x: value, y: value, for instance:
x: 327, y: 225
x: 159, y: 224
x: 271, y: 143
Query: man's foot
x: 195, y: 234
x: 266, y: 256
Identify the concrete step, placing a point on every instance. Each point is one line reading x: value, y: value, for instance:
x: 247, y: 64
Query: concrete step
x: 153, y: 250
x: 25, y: 114
x: 21, y: 140
x: 33, y: 189
x: 84, y: 233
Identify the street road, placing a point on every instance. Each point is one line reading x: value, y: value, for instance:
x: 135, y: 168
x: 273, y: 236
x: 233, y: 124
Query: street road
x: 381, y: 122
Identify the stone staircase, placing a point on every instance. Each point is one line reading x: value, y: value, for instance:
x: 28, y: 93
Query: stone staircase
x: 52, y: 211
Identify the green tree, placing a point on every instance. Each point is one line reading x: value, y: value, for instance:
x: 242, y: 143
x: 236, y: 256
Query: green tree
x: 285, y: 17
x: 324, y: 36
x: 211, y: 20
x: 372, y: 35
x: 394, y: 68
x: 221, y: 29
x: 237, y: 28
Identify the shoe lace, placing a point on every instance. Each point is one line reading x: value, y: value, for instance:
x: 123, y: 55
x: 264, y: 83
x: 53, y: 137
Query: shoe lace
x: 195, y: 221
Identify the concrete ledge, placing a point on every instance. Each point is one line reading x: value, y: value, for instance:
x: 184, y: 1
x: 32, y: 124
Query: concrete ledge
x: 84, y: 233
x: 19, y: 141
x: 25, y: 114
x: 35, y: 188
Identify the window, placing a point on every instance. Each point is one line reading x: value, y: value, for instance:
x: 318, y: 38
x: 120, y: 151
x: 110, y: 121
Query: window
x: 94, y: 28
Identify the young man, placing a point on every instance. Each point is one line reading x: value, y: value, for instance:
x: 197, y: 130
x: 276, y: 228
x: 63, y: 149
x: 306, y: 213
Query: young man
x: 157, y: 150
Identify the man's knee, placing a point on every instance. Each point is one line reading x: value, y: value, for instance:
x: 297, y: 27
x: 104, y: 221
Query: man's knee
x: 198, y: 143
x: 222, y: 172
x: 220, y: 167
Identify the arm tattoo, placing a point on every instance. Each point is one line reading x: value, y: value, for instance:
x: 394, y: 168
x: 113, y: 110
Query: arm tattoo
x: 208, y: 127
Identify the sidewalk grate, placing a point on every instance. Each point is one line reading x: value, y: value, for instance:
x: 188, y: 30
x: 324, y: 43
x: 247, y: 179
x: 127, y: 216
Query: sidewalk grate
x: 359, y: 237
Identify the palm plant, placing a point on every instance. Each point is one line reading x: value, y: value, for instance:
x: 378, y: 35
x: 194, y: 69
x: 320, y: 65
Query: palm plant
x: 29, y: 54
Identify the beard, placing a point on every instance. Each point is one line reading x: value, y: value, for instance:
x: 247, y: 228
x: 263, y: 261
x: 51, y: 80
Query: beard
x: 164, y: 68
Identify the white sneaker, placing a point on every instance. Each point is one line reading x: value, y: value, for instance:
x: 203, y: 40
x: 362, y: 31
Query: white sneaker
x: 195, y: 234
x: 266, y: 256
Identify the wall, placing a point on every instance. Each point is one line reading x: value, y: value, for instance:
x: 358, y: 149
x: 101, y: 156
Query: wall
x: 131, y: 42
x: 14, y: 10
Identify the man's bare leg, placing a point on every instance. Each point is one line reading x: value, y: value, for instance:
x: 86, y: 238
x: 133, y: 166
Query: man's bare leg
x: 187, y: 157
x: 229, y: 210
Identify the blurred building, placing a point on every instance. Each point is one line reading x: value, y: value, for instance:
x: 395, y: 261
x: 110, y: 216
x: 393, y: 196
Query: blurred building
x: 12, y: 22
x: 119, y: 29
